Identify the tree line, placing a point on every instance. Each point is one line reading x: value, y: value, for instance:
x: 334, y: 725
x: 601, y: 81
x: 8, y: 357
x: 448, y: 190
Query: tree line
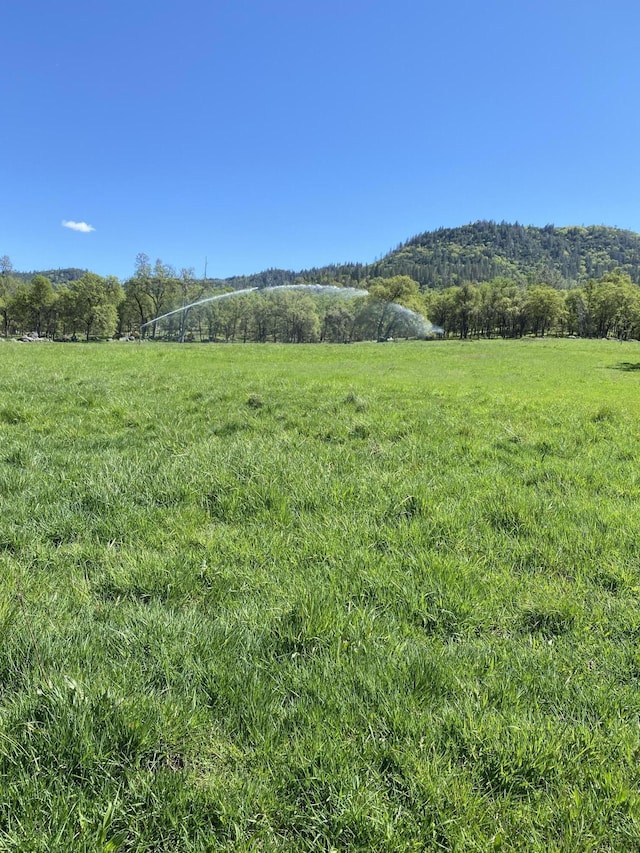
x: 87, y: 307
x: 93, y: 306
x: 604, y: 307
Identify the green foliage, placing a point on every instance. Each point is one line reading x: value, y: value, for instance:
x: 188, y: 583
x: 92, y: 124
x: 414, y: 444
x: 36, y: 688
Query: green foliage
x: 613, y: 306
x: 543, y: 306
x: 366, y: 598
x: 609, y: 307
x: 31, y: 306
x: 486, y: 250
x: 90, y: 304
x: 399, y: 288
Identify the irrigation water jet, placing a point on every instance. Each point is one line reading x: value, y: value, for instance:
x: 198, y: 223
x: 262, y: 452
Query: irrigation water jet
x: 198, y: 302
x: 423, y: 327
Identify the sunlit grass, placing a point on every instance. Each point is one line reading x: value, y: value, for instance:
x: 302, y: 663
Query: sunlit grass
x: 376, y: 597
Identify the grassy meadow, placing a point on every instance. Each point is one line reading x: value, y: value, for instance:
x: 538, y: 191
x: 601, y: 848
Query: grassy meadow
x: 378, y: 597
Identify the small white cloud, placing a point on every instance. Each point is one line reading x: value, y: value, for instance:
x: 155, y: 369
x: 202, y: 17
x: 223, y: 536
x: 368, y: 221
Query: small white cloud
x: 78, y: 226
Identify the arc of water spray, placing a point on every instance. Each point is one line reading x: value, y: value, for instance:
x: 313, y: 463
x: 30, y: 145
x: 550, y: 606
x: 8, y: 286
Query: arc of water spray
x: 198, y: 302
x: 316, y: 288
x: 349, y: 292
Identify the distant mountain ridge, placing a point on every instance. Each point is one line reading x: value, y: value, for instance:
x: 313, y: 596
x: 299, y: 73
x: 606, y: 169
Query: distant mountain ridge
x: 484, y: 250
x: 480, y: 251
x: 56, y: 277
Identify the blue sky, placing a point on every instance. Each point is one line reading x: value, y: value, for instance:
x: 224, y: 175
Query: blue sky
x: 285, y: 133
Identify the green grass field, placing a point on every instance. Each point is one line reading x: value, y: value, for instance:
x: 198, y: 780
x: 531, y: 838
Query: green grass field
x: 324, y: 598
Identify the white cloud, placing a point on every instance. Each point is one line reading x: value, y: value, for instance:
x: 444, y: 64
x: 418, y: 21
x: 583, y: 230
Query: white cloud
x: 78, y: 226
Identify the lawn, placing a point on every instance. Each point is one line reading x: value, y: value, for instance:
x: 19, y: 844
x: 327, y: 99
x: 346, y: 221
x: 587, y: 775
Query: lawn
x: 377, y: 597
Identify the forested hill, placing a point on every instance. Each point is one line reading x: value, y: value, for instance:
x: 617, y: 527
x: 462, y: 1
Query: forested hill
x: 56, y: 277
x: 485, y: 250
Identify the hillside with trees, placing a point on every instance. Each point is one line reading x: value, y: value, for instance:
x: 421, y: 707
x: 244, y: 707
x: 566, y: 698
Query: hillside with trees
x: 56, y: 277
x: 486, y: 279
x: 486, y: 250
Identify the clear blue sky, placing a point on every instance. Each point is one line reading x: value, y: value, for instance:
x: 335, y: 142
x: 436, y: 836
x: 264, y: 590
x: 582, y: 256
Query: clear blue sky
x: 287, y: 133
